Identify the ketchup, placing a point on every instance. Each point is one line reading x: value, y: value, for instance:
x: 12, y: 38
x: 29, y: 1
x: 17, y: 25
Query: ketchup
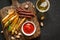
x: 28, y: 28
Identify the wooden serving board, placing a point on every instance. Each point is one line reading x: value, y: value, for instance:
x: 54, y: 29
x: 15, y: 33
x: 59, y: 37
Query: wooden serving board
x: 3, y: 13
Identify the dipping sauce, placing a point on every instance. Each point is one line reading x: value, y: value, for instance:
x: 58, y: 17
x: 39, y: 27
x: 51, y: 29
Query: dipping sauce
x: 28, y: 28
x: 43, y: 5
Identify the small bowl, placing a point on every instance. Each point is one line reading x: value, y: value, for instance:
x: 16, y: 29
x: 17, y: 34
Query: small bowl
x: 48, y: 3
x: 30, y: 33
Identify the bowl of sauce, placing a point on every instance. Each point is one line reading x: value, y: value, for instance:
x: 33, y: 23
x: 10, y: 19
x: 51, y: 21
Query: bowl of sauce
x: 28, y: 28
x: 42, y: 5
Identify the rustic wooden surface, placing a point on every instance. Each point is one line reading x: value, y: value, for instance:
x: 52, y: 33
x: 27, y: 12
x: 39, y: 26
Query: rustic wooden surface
x: 3, y: 13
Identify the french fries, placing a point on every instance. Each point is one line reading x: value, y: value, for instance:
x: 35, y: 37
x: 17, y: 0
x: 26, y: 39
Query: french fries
x: 14, y: 29
x: 8, y: 22
x: 21, y: 22
x: 10, y: 14
x: 13, y: 24
x: 18, y: 25
x: 12, y: 21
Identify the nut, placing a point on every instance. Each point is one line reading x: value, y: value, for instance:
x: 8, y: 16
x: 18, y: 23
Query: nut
x: 42, y: 24
x: 12, y: 38
x: 16, y: 32
x: 17, y: 36
x: 1, y: 31
x: 33, y: 6
x: 42, y: 18
x: 26, y: 6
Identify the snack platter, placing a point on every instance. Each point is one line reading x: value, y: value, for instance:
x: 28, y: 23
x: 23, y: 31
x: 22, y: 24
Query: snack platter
x: 19, y: 21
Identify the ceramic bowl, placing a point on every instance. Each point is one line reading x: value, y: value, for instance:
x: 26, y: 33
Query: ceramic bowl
x: 30, y: 33
x: 48, y: 3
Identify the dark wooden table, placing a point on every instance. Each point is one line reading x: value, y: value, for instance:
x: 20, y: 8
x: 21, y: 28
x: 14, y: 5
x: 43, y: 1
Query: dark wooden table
x: 51, y: 29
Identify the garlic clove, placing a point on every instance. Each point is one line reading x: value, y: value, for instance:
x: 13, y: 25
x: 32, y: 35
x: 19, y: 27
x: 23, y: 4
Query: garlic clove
x: 33, y: 6
x: 17, y: 36
x: 12, y: 38
x: 26, y: 6
x: 42, y: 18
x: 1, y: 31
x: 16, y: 32
x: 42, y: 24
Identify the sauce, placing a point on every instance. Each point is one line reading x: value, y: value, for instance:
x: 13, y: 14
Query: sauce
x: 28, y: 28
x: 42, y: 5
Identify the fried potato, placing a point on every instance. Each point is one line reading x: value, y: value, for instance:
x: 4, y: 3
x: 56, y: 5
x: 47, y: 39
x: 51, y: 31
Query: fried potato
x: 8, y: 22
x: 13, y: 24
x: 10, y: 14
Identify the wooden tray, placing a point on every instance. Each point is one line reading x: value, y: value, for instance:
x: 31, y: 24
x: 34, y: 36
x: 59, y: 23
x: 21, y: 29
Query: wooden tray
x: 3, y: 13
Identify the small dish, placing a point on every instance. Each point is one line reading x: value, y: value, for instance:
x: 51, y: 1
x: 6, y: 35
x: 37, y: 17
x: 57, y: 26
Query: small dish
x: 28, y: 34
x: 44, y: 4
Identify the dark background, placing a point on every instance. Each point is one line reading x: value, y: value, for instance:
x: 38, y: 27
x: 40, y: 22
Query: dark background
x: 51, y: 29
